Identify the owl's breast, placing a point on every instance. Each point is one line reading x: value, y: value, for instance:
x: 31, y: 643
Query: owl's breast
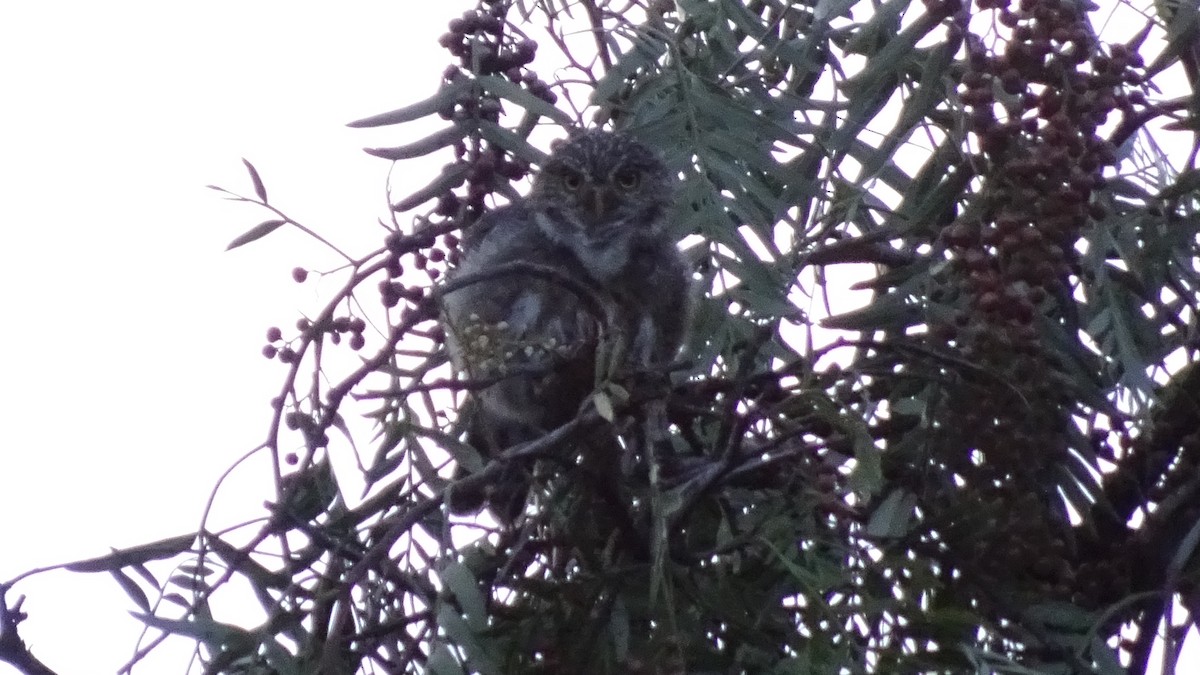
x: 605, y: 261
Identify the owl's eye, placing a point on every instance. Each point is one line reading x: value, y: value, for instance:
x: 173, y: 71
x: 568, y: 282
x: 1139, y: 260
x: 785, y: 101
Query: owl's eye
x: 628, y: 179
x: 572, y: 181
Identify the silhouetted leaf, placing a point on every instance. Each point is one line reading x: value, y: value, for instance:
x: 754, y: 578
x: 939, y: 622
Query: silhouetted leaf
x: 451, y: 177
x: 441, y: 662
x: 259, y: 188
x: 425, y: 146
x: 462, y: 584
x: 457, y: 630
x: 444, y: 98
x: 121, y: 558
x: 255, y: 233
x: 511, y: 142
x: 890, y: 519
x: 511, y: 92
x: 131, y: 589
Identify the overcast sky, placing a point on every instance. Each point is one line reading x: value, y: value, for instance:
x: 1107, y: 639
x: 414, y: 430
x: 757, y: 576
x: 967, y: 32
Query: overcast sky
x: 130, y: 340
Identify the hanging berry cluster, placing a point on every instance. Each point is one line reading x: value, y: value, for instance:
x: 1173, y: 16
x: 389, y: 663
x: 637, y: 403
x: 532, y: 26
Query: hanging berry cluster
x: 1034, y: 107
x: 1034, y: 103
x: 483, y: 43
x: 335, y: 328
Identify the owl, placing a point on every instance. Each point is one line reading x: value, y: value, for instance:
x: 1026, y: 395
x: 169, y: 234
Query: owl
x: 597, y: 214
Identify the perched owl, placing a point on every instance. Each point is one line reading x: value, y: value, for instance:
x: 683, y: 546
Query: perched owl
x: 596, y: 214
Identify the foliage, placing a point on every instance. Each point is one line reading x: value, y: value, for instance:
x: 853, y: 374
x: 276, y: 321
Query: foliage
x: 988, y: 467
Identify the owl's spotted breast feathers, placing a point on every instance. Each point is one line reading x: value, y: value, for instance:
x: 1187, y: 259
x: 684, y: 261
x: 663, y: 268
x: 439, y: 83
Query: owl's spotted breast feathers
x: 595, y: 214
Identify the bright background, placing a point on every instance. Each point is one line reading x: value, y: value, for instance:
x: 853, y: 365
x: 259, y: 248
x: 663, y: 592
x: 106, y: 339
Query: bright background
x: 129, y: 344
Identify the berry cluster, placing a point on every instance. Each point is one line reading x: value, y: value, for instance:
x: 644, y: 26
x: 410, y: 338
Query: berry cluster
x: 1034, y: 109
x: 483, y: 43
x: 336, y: 328
x: 483, y: 46
x: 426, y: 253
x: 1034, y: 104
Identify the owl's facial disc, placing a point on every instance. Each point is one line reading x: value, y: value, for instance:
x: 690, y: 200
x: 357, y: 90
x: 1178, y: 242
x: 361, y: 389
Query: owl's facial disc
x: 599, y: 192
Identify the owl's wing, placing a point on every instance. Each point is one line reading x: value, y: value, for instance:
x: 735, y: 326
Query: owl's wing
x: 529, y: 333
x: 533, y: 337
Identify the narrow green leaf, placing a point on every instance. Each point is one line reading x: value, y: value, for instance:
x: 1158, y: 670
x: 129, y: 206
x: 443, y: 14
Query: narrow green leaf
x: 465, y: 588
x: 1187, y: 183
x: 510, y: 141
x: 212, y: 633
x: 255, y: 573
x: 866, y: 478
x: 644, y: 54
x: 451, y: 177
x: 881, y: 27
x: 429, y: 144
x: 511, y: 92
x: 164, y: 548
x: 259, y: 188
x: 1183, y: 32
x: 131, y: 589
x: 478, y: 657
x: 255, y: 233
x: 446, y: 96
x: 187, y: 581
x: 145, y: 573
x: 178, y: 600
x: 886, y: 312
x: 890, y: 519
x: 604, y: 406
x: 1129, y: 346
x: 830, y: 9
x: 442, y: 662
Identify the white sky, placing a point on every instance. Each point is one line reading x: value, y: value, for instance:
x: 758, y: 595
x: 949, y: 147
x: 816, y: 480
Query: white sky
x: 130, y: 342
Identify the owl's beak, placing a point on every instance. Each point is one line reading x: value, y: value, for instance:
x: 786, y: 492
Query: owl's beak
x: 599, y: 203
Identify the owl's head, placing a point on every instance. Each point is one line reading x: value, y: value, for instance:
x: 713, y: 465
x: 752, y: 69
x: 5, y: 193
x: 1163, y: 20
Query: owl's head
x: 598, y: 186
